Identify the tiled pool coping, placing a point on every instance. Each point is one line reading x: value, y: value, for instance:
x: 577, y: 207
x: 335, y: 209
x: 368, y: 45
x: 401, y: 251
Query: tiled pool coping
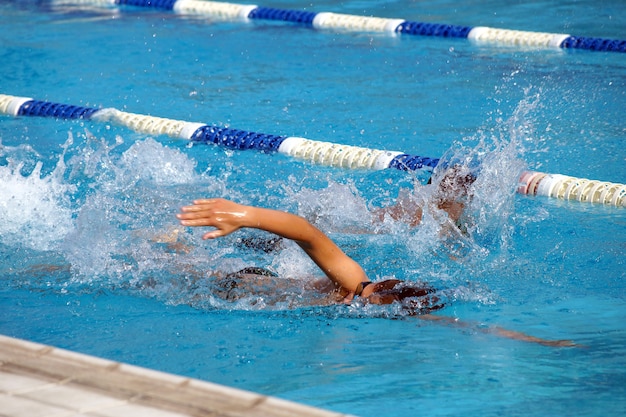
x: 40, y: 380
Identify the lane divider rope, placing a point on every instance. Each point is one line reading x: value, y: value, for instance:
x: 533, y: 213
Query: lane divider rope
x: 318, y: 152
x: 571, y: 188
x: 352, y: 23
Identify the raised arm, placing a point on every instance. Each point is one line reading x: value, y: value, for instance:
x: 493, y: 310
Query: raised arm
x: 226, y: 217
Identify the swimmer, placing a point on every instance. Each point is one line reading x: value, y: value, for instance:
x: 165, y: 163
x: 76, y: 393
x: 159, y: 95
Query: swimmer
x: 451, y: 194
x: 345, y: 278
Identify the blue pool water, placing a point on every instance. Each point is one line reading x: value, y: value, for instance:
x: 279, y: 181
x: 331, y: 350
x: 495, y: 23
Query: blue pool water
x: 84, y: 207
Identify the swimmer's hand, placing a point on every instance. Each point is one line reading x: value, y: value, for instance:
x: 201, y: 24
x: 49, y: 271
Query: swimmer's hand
x: 224, y: 215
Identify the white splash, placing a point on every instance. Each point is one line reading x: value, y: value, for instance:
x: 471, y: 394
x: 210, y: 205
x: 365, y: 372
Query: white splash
x: 35, y: 209
x: 121, y: 224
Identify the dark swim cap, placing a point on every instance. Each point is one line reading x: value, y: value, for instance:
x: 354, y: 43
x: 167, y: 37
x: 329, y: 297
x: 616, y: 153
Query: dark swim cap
x: 417, y: 298
x: 252, y: 270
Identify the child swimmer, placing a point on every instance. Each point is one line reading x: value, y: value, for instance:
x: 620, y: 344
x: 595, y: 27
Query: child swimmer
x: 345, y: 278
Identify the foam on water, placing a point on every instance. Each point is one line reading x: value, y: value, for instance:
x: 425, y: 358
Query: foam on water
x: 35, y: 209
x: 107, y: 213
x: 125, y: 221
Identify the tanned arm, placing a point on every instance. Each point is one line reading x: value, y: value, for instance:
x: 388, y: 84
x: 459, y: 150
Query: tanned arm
x: 226, y: 217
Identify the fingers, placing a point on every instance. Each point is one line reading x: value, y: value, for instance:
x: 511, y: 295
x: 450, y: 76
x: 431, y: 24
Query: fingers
x: 196, y: 215
x: 200, y: 209
x: 195, y: 218
x: 201, y: 201
x: 185, y: 221
x: 212, y: 212
x: 213, y: 234
x: 199, y: 205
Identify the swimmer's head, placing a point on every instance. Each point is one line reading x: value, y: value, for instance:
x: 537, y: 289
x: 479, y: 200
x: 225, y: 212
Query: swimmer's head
x: 416, y: 298
x: 453, y: 183
x: 236, y: 285
x: 252, y: 270
x: 453, y: 189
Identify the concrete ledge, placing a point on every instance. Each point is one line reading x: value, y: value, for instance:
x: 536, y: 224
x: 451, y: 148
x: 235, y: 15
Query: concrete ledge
x: 40, y: 380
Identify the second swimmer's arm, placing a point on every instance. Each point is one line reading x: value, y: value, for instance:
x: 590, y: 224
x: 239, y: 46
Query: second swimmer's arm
x: 227, y: 217
x: 511, y: 334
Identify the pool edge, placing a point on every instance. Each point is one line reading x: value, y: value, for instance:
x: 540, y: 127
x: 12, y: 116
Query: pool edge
x: 54, y: 381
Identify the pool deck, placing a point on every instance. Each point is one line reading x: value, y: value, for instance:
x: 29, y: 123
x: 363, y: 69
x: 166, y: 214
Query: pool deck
x: 43, y: 381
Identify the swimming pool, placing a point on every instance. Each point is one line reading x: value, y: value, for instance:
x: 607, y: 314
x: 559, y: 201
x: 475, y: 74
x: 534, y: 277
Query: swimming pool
x: 85, y: 205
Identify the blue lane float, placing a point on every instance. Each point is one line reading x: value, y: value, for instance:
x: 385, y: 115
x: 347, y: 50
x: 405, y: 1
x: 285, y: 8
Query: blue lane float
x: 319, y: 152
x: 346, y: 22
